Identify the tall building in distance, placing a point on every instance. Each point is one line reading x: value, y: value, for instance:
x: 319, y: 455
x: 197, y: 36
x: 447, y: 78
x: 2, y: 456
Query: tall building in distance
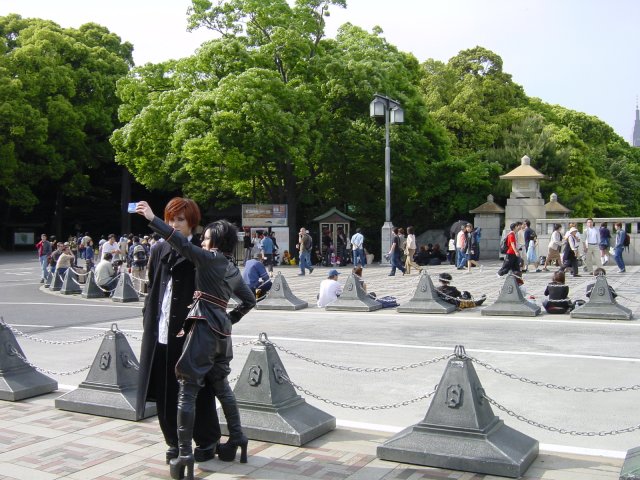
x: 636, y: 128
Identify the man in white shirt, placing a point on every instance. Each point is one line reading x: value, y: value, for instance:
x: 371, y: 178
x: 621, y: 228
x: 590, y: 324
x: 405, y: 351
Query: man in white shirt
x: 330, y: 289
x: 357, y: 241
x: 106, y: 276
x: 591, y: 245
x: 111, y: 247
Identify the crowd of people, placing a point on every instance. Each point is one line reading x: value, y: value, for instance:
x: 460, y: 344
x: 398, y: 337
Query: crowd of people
x: 593, y: 247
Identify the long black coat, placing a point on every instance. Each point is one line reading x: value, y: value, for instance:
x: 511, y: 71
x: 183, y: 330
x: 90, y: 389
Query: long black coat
x: 164, y: 264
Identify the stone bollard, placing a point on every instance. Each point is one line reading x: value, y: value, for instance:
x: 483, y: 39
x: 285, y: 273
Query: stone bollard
x: 426, y: 299
x: 91, y: 288
x: 631, y: 466
x: 460, y: 430
x: 124, y: 291
x: 270, y: 408
x: 48, y: 279
x: 70, y: 284
x: 18, y: 379
x: 512, y: 302
x: 602, y: 305
x: 280, y: 297
x: 354, y: 298
x: 56, y: 283
x: 110, y: 388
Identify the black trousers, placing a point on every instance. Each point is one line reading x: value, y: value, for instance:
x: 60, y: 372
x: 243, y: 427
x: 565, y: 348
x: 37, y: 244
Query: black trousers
x: 511, y: 264
x: 165, y: 388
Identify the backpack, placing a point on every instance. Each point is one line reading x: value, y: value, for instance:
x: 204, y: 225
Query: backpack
x: 627, y: 239
x: 504, y: 246
x: 307, y: 242
x: 139, y: 256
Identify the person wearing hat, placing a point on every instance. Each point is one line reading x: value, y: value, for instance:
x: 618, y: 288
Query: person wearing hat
x: 256, y: 277
x: 330, y: 289
x: 570, y: 252
x: 452, y: 295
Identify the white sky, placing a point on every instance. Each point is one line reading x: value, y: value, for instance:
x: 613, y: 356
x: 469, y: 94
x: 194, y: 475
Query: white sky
x: 581, y: 54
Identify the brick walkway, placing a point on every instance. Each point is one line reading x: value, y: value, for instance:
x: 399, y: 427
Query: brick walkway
x: 40, y: 442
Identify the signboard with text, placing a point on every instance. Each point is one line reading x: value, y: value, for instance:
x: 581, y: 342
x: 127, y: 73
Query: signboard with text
x: 264, y: 215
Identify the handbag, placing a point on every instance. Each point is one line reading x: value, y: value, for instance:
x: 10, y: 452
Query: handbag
x: 612, y: 251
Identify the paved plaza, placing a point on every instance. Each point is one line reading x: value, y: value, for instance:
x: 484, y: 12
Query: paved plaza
x: 40, y: 442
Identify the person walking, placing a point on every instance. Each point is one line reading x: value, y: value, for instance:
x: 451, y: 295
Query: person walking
x: 266, y: 249
x: 555, y: 245
x: 619, y: 247
x: 571, y: 252
x: 305, y: 244
x: 471, y: 246
x: 512, y: 256
x: 591, y: 245
x: 605, y: 243
x: 394, y: 254
x: 461, y: 258
x: 44, y: 252
x: 247, y: 244
x: 357, y: 246
x: 410, y: 251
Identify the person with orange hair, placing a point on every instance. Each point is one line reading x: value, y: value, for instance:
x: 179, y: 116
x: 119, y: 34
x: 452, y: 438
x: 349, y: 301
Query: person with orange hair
x: 207, y: 349
x: 171, y: 287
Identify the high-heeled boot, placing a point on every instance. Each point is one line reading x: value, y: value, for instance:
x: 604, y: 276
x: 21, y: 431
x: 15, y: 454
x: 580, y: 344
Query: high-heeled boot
x: 186, y: 419
x: 227, y: 451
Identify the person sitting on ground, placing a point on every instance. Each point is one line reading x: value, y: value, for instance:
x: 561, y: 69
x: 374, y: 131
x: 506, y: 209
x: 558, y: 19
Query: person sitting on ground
x: 106, y: 276
x: 596, y: 273
x: 437, y: 255
x: 452, y: 295
x: 256, y: 277
x: 558, y: 293
x: 65, y: 260
x: 422, y: 257
x: 330, y: 289
x: 286, y: 258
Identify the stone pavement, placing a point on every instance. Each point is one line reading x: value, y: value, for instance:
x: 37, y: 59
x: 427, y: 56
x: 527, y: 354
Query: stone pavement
x: 481, y: 280
x: 39, y: 442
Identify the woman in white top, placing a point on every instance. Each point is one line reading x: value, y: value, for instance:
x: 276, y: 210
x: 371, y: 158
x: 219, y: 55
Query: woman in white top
x: 410, y: 250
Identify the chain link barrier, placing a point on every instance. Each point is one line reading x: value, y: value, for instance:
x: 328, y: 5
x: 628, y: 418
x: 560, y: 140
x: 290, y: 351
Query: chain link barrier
x: 357, y: 407
x: 44, y: 370
x: 347, y: 368
x: 55, y: 342
x: 552, y: 386
x: 561, y: 431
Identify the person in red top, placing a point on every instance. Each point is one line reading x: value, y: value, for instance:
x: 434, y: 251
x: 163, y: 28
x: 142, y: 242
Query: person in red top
x: 512, y: 257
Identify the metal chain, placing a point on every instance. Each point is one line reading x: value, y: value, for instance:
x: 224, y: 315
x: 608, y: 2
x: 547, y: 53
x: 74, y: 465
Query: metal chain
x: 44, y: 370
x: 360, y: 369
x: 553, y: 386
x: 562, y: 431
x: 357, y: 407
x: 56, y: 342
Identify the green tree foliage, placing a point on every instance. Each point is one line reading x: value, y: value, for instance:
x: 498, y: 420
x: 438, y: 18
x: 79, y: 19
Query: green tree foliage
x: 57, y: 107
x: 275, y: 110
x: 492, y: 123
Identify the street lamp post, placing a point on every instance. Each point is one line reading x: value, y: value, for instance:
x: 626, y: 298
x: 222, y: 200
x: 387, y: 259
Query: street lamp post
x: 383, y: 106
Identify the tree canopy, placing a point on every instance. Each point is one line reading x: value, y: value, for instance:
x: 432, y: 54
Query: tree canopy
x: 57, y: 107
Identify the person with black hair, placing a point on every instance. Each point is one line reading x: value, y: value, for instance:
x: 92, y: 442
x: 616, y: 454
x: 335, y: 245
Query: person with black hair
x: 512, y: 256
x: 451, y: 294
x: 558, y: 295
x: 207, y: 350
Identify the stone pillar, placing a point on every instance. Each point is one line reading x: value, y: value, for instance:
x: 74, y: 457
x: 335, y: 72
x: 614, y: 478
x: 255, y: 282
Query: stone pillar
x: 488, y: 217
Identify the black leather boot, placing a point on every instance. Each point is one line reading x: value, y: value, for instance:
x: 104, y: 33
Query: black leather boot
x: 186, y: 419
x: 227, y: 452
